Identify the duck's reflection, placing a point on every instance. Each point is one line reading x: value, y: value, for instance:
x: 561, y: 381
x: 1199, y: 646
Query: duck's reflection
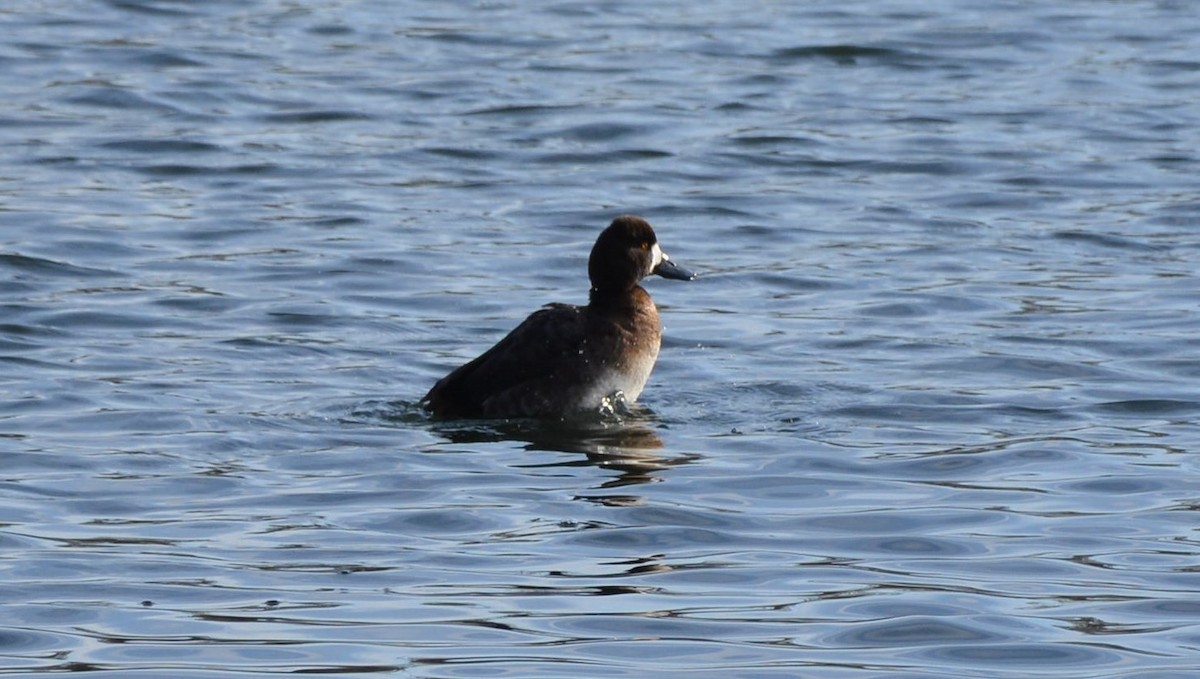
x: 632, y: 449
x: 628, y: 445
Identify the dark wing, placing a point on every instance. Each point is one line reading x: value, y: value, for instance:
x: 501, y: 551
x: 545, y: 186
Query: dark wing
x: 519, y: 375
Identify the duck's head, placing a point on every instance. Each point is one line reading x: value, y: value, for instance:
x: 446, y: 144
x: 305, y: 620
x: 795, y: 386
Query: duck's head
x: 625, y: 253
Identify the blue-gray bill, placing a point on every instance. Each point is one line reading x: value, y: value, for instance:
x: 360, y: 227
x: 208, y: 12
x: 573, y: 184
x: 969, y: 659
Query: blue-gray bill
x: 668, y: 269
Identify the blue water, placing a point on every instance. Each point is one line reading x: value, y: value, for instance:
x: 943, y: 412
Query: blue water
x: 929, y: 411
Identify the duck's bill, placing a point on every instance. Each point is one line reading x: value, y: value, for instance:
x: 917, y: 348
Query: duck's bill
x: 668, y: 269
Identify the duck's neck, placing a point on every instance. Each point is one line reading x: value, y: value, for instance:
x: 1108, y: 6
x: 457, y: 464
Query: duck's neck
x: 610, y: 297
x: 632, y: 306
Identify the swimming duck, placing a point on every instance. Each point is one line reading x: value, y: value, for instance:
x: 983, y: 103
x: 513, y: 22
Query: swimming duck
x: 567, y: 359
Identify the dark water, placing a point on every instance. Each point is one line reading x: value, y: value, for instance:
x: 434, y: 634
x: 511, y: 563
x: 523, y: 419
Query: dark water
x: 930, y: 411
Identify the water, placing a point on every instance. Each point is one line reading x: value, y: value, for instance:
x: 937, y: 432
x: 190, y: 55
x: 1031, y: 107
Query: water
x: 929, y: 411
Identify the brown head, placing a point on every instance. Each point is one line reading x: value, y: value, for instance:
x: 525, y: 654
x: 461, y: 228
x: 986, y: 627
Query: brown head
x: 625, y: 253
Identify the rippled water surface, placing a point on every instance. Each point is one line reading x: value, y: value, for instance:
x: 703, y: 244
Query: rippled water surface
x: 929, y: 411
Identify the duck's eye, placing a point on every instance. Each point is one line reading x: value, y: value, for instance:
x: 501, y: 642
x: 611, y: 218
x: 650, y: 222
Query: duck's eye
x: 645, y: 245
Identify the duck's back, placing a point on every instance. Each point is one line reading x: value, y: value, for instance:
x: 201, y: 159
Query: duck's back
x: 561, y: 359
x: 522, y: 376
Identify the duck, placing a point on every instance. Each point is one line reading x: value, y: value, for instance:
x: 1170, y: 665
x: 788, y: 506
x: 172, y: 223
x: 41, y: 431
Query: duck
x: 566, y: 360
